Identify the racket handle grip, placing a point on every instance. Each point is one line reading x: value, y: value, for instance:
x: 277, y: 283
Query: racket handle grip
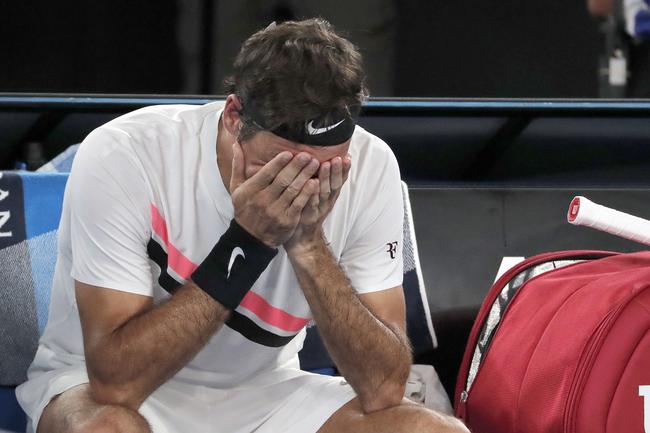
x: 584, y: 212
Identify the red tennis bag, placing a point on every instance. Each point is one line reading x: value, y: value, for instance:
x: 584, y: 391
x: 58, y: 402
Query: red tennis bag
x: 561, y: 345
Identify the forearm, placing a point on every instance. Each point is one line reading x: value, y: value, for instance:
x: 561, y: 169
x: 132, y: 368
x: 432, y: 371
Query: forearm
x: 373, y: 356
x: 127, y: 365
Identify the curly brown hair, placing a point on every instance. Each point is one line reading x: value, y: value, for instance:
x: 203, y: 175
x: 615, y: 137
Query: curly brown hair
x: 293, y: 72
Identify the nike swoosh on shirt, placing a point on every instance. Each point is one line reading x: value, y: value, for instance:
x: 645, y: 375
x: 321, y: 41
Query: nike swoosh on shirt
x: 316, y: 131
x: 235, y: 252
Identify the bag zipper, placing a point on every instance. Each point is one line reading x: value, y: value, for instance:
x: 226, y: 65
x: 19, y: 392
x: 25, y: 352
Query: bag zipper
x: 586, y: 361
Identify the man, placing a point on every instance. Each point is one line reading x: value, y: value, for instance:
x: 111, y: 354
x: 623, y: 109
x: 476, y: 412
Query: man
x: 197, y: 243
x: 635, y: 16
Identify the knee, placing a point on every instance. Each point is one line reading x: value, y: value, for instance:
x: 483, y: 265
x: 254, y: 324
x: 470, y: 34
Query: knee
x: 428, y: 421
x: 113, y: 419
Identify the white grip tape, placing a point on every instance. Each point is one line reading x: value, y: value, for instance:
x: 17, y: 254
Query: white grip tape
x: 584, y: 212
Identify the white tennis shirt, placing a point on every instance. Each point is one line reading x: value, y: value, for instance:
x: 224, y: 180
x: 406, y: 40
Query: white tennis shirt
x: 145, y: 204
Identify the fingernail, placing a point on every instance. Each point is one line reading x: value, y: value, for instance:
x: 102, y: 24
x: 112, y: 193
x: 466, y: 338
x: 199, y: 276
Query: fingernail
x: 303, y: 157
x: 286, y: 156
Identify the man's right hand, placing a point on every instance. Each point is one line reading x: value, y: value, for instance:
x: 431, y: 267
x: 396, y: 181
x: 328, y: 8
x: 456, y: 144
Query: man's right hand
x: 269, y: 204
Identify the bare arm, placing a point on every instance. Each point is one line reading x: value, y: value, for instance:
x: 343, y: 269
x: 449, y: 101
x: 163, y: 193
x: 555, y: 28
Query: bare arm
x: 132, y: 347
x: 364, y: 334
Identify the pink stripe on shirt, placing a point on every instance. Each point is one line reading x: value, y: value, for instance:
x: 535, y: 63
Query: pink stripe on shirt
x: 272, y: 315
x: 252, y: 301
x: 175, y: 259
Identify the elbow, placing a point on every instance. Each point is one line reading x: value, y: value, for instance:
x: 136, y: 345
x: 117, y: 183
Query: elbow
x: 108, y: 385
x: 390, y: 394
x: 391, y: 391
x: 116, y: 395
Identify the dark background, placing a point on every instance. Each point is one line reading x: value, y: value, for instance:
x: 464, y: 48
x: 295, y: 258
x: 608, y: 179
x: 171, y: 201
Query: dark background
x: 460, y: 48
x: 505, y: 48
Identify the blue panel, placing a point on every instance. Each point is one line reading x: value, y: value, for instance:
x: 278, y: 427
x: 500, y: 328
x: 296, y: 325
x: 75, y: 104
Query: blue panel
x: 94, y: 102
x: 313, y: 355
x: 416, y: 322
x: 325, y: 371
x: 43, y: 196
x: 544, y: 105
x: 12, y: 417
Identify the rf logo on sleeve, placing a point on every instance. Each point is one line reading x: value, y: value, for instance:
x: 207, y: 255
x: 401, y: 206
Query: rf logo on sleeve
x: 392, y: 249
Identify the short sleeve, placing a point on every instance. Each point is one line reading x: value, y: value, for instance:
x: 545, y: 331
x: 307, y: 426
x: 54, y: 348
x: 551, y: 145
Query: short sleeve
x: 108, y: 207
x: 372, y: 257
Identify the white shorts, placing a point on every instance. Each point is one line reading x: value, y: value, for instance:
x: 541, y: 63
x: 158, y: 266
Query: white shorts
x: 300, y: 404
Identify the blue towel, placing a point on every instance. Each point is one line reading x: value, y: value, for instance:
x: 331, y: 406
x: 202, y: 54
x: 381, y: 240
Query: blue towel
x: 62, y: 163
x: 30, y: 209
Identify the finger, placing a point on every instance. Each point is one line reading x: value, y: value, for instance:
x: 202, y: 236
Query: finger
x: 324, y: 180
x: 310, y: 212
x: 301, y: 200
x: 347, y: 165
x: 290, y: 172
x: 237, y: 177
x: 268, y: 173
x: 294, y: 188
x: 336, y: 175
x: 314, y: 201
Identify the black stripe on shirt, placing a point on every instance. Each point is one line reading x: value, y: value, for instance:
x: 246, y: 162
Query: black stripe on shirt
x: 250, y: 330
x: 237, y: 322
x: 159, y: 256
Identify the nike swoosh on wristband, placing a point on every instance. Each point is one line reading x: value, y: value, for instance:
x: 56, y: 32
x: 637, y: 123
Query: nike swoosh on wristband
x: 235, y: 252
x: 316, y: 131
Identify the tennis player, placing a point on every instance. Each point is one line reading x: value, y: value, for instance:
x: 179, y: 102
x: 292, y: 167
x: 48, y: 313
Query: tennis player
x: 198, y: 242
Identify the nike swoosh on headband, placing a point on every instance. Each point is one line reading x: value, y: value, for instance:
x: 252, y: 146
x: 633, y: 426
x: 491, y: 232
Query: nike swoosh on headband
x: 316, y: 131
x: 233, y: 256
x: 305, y: 131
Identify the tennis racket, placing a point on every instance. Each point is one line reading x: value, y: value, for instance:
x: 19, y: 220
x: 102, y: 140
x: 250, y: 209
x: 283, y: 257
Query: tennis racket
x: 584, y: 212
